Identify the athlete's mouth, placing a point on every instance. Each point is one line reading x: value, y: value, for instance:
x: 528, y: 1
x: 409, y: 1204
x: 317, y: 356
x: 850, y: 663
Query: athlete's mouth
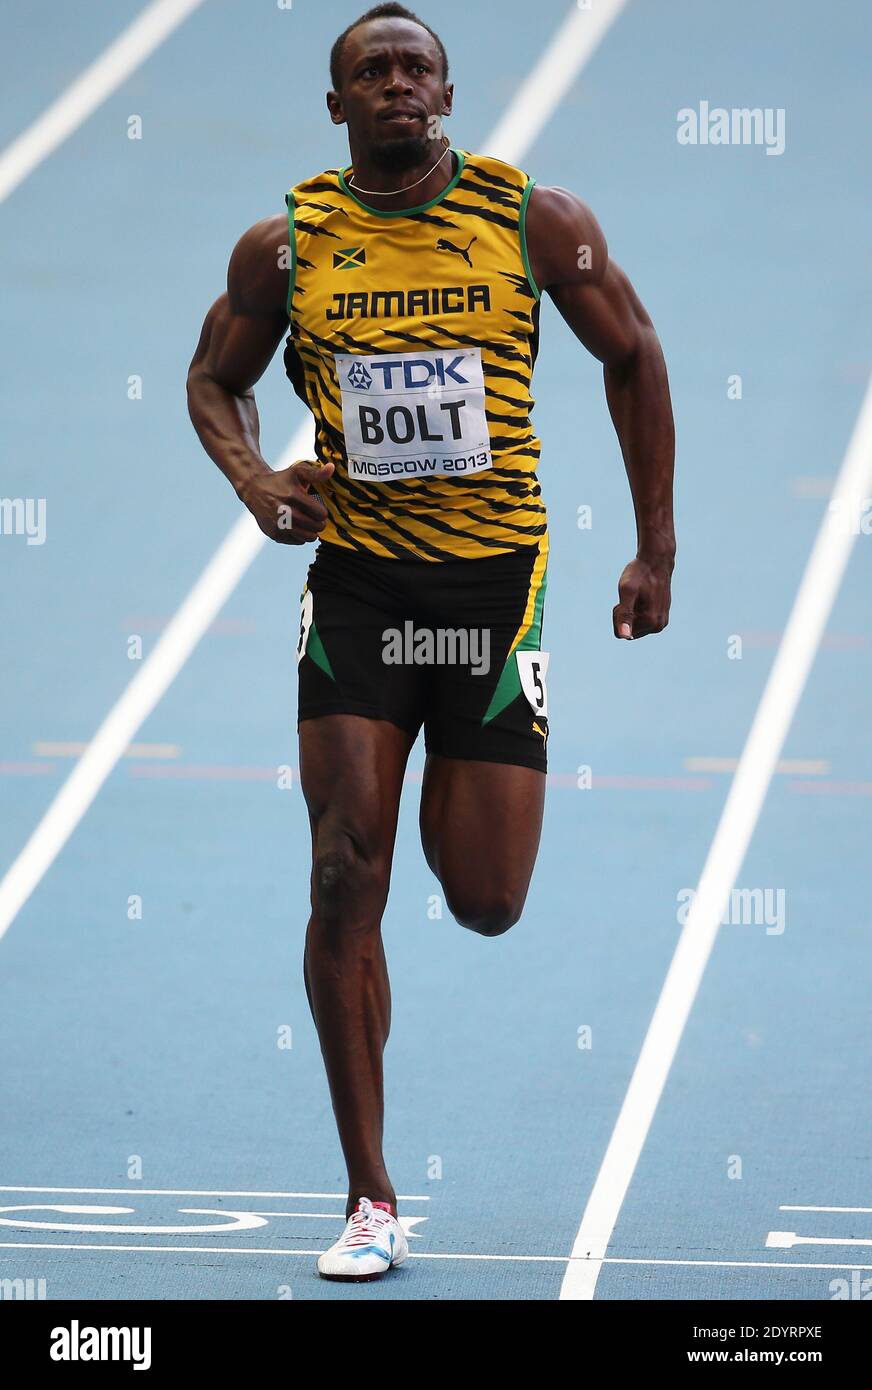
x: 402, y: 116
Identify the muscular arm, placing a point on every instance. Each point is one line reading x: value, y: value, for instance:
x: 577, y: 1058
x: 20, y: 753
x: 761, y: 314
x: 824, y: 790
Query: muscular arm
x: 238, y: 340
x: 569, y: 259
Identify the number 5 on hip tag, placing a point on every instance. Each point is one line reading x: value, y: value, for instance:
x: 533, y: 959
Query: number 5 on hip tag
x: 532, y: 668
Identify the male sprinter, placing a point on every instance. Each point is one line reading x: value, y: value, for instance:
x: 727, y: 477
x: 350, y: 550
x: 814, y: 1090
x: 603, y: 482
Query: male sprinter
x: 413, y: 296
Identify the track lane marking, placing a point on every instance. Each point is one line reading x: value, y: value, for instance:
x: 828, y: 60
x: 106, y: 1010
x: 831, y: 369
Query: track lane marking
x: 781, y: 695
x: 90, y: 89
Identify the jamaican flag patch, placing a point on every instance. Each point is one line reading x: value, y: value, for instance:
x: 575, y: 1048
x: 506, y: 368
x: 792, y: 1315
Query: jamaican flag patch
x: 349, y: 258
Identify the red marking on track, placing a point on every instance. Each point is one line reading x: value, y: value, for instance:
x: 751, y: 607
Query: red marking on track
x: 229, y: 773
x: 831, y: 788
x: 845, y: 642
x: 853, y: 371
x: 25, y: 769
x: 833, y: 641
x: 206, y: 772
x: 234, y: 627
x: 632, y: 782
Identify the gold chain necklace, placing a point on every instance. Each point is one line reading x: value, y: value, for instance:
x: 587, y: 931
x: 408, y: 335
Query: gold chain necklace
x: 377, y: 193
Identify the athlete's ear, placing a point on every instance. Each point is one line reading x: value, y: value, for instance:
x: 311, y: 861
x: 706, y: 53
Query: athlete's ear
x: 334, y: 106
x: 448, y: 99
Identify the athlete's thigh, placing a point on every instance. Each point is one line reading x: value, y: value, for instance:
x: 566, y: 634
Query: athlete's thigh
x: 351, y: 772
x: 480, y: 825
x: 486, y: 730
x: 351, y: 604
x: 358, y: 715
x: 489, y: 701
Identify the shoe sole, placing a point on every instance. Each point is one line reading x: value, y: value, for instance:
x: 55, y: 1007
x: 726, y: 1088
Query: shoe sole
x: 362, y: 1278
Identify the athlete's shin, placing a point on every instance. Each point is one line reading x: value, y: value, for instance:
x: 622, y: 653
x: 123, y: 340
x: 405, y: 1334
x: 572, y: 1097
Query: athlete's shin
x: 349, y: 995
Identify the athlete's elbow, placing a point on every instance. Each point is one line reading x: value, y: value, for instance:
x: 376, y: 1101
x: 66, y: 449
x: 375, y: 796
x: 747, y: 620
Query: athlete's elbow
x: 202, y: 391
x: 634, y: 354
x: 194, y: 384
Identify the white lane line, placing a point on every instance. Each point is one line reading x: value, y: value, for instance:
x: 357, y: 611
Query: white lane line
x: 858, y: 1209
x: 290, y: 1251
x: 173, y: 647
x: 104, y: 76
x: 547, y: 84
x: 190, y: 1192
x: 531, y: 107
x: 785, y: 1240
x: 732, y: 1264
x: 408, y: 1223
x: 790, y: 669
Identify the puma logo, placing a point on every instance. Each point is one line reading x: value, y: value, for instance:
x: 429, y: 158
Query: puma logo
x: 443, y: 244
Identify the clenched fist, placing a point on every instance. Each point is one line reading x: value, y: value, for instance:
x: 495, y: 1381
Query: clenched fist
x: 285, y: 504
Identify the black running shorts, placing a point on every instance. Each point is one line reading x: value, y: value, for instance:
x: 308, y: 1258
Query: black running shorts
x: 454, y: 645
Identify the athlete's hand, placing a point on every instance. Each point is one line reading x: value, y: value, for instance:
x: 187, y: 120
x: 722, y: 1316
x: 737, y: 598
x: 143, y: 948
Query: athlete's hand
x: 644, y: 594
x: 285, y: 504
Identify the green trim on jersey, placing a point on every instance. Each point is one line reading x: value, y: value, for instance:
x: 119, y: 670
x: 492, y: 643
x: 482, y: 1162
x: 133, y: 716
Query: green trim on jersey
x: 405, y: 212
x: 292, y: 243
x: 509, y: 687
x: 523, y: 225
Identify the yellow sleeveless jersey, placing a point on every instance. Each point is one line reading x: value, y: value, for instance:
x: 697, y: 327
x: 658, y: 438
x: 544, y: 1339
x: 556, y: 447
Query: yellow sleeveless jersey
x: 413, y: 338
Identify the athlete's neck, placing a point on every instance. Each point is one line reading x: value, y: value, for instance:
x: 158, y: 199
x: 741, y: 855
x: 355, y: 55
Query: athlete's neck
x: 402, y: 188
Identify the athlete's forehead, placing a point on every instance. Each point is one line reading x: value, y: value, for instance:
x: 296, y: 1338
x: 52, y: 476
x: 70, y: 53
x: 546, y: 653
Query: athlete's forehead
x: 380, y: 38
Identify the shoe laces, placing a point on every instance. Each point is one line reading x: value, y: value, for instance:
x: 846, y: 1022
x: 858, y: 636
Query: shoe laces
x: 363, y: 1223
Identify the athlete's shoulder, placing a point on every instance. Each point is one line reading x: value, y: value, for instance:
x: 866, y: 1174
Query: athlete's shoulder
x: 266, y: 234
x: 318, y: 205
x: 257, y: 277
x: 316, y: 185
x: 564, y: 237
x: 560, y: 208
x: 488, y: 168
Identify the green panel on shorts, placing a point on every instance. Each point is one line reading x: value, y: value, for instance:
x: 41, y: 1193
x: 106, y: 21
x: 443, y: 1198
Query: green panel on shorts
x: 315, y: 650
x: 508, y: 687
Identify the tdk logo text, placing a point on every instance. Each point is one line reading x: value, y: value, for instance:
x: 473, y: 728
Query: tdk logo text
x: 416, y: 374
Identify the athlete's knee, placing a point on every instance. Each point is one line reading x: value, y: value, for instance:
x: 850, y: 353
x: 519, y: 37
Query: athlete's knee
x: 332, y: 876
x: 488, y: 913
x: 346, y: 885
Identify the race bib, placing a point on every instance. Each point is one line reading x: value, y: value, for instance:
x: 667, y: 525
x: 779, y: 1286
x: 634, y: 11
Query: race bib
x: 413, y: 414
x: 532, y: 668
x: 307, y: 606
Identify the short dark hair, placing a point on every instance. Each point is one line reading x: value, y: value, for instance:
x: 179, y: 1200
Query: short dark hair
x: 389, y: 11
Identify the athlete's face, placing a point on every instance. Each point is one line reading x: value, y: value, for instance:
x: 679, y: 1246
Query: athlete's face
x: 392, y: 93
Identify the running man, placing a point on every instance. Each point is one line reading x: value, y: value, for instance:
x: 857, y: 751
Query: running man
x: 412, y: 287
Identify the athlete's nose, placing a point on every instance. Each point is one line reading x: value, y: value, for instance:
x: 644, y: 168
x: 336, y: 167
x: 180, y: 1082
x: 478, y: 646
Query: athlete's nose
x: 397, y: 82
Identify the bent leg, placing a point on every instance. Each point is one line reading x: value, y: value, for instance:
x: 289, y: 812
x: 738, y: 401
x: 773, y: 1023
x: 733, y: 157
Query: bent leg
x: 480, y: 828
x: 352, y: 775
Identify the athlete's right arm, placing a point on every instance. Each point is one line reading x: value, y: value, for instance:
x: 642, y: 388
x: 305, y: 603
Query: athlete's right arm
x: 238, y: 340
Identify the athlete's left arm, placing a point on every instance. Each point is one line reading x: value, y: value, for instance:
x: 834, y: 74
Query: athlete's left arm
x: 569, y: 258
